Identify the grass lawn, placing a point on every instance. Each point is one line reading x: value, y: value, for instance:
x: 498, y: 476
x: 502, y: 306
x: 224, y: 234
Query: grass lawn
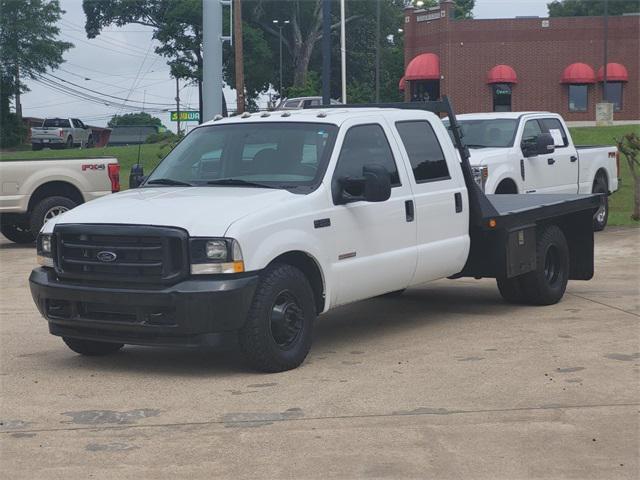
x: 621, y: 202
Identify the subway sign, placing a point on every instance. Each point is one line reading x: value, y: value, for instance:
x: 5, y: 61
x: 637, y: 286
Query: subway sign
x: 186, y: 116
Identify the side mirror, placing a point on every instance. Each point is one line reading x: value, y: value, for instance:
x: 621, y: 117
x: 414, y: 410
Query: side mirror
x: 136, y: 177
x: 541, y: 145
x: 373, y: 186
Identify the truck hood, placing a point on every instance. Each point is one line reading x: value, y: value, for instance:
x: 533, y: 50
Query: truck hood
x: 481, y: 157
x: 201, y: 211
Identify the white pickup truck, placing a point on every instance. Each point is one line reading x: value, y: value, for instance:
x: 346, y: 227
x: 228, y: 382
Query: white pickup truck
x: 34, y: 191
x: 504, y: 159
x: 61, y: 133
x: 254, y: 225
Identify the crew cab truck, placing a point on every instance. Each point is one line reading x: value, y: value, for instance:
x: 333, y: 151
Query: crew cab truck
x: 34, y: 191
x: 255, y: 225
x: 504, y: 158
x: 61, y: 133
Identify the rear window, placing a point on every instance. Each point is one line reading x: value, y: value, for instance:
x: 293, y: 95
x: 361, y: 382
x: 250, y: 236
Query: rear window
x: 56, y: 123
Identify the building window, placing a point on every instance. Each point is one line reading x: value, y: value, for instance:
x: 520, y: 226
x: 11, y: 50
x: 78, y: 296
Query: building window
x: 578, y: 98
x: 501, y: 97
x: 614, y: 95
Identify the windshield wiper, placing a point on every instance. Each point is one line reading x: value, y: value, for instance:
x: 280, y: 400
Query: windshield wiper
x: 242, y: 183
x: 168, y: 181
x: 472, y: 145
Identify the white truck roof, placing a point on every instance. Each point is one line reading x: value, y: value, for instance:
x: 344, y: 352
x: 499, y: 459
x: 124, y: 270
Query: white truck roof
x: 322, y: 115
x: 499, y: 115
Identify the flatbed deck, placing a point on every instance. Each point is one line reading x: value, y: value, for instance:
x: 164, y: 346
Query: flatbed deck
x: 518, y: 209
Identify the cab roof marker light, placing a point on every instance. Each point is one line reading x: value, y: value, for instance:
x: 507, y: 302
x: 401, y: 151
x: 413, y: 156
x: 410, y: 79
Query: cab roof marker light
x: 321, y: 114
x: 286, y: 114
x: 217, y: 117
x: 245, y: 115
x: 265, y: 114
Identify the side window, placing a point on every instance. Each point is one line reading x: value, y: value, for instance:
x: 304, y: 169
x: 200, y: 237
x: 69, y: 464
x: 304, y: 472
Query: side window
x: 531, y: 131
x: 425, y: 154
x: 554, y: 127
x: 363, y: 145
x: 75, y: 123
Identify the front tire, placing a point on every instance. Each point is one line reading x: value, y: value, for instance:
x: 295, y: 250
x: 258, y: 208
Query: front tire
x: 601, y: 217
x: 91, y: 348
x: 547, y: 283
x: 47, y: 209
x: 278, y: 331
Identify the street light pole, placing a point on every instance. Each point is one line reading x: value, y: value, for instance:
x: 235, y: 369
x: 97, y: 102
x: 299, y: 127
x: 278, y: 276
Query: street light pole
x: 280, y: 26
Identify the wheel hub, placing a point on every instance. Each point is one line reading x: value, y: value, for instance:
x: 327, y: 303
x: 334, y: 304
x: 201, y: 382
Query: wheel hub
x: 54, y: 212
x: 551, y: 266
x: 286, y: 319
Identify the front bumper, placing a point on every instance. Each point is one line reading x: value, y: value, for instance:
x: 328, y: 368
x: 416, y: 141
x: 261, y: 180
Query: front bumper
x: 194, y: 312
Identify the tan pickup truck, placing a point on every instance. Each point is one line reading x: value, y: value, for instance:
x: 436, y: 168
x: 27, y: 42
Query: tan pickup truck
x: 33, y: 191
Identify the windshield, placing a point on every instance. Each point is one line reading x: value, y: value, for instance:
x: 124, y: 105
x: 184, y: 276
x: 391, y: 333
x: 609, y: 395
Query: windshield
x: 489, y: 133
x: 276, y: 155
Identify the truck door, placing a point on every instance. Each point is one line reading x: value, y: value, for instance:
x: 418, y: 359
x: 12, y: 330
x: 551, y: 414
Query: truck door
x: 441, y: 202
x: 538, y: 171
x: 374, y: 243
x: 565, y: 158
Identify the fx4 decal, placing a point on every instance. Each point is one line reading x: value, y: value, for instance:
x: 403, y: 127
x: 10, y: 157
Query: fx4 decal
x: 93, y: 166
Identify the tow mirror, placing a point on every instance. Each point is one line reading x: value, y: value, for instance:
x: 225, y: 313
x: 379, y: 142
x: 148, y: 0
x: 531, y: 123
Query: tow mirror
x: 541, y: 145
x: 373, y: 186
x: 136, y: 177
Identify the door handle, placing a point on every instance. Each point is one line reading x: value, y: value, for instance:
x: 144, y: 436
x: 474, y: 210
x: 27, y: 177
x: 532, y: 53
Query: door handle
x: 550, y: 161
x: 458, y: 200
x: 409, y: 210
x: 574, y: 158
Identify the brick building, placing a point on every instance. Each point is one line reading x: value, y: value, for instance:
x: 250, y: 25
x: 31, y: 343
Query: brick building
x: 522, y: 64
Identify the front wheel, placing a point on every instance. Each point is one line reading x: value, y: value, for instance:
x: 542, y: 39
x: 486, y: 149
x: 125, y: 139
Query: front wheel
x: 601, y: 217
x: 48, y: 208
x: 547, y: 283
x: 279, y: 327
x: 91, y: 348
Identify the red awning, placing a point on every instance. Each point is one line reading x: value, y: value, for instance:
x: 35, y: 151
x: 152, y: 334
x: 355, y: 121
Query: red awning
x: 401, y: 85
x: 502, y: 74
x: 616, y: 72
x: 578, y: 73
x: 425, y: 66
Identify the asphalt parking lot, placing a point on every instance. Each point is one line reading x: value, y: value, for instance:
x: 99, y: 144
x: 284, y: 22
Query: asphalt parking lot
x: 447, y: 382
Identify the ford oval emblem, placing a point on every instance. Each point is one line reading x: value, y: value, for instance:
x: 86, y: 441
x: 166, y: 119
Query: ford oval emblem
x: 106, y: 256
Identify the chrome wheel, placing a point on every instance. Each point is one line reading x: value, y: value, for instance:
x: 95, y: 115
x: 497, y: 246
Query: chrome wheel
x: 54, y: 212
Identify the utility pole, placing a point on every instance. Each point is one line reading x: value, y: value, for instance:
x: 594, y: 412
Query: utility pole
x: 326, y: 52
x: 237, y: 31
x: 18, y: 102
x: 377, y: 51
x: 606, y: 48
x: 212, y: 59
x: 178, y: 103
x: 343, y: 52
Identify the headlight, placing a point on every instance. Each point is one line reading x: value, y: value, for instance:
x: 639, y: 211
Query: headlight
x: 480, y: 175
x: 44, y: 250
x: 215, y: 255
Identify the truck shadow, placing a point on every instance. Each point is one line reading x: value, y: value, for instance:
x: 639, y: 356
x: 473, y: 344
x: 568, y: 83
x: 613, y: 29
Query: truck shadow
x: 419, y: 311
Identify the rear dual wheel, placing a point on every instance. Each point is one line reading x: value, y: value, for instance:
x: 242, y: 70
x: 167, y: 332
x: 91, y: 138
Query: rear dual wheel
x: 601, y: 217
x: 547, y: 283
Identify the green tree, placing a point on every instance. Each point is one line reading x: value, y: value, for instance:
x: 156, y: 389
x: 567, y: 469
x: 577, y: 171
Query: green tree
x: 140, y: 118
x: 177, y: 25
x: 28, y: 48
x: 580, y: 8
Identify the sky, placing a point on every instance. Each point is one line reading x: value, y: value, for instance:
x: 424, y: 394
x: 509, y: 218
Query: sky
x: 121, y: 62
